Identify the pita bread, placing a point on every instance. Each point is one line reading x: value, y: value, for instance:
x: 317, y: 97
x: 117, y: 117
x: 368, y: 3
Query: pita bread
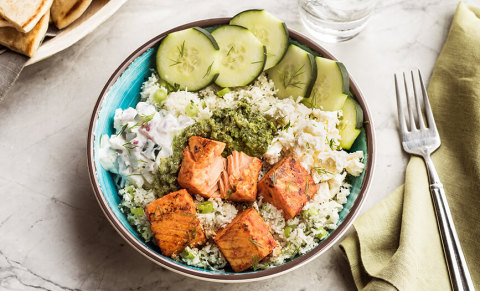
x: 25, y: 43
x: 4, y: 23
x: 64, y: 12
x: 24, y: 14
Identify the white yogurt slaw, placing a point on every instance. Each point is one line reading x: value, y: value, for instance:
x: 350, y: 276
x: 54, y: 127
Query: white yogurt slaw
x: 144, y: 136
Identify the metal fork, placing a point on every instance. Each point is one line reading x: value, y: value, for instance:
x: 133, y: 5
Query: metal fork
x: 422, y: 140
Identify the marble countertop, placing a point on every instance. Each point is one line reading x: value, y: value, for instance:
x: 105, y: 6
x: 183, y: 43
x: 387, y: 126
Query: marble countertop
x: 53, y: 235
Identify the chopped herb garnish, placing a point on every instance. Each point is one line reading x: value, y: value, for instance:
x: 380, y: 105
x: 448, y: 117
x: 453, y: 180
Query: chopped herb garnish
x: 289, y: 80
x: 274, y: 177
x: 255, y: 243
x: 230, y: 50
x: 122, y: 129
x: 255, y: 261
x: 208, y: 70
x: 230, y: 192
x: 287, y: 126
x: 129, y: 145
x: 181, y: 49
x: 146, y: 119
x: 288, y: 187
x: 366, y: 122
x: 159, y: 210
x: 321, y: 171
x: 174, y: 62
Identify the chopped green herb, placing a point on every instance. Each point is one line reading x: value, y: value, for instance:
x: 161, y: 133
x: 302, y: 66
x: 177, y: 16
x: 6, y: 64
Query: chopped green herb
x: 181, y: 49
x: 322, y: 234
x: 122, y: 129
x: 145, y: 120
x: 310, y: 212
x: 191, y: 110
x: 129, y: 190
x: 287, y: 126
x: 174, y: 62
x: 159, y: 210
x: 255, y: 243
x: 187, y: 254
x: 129, y: 146
x: 160, y: 95
x: 230, y: 50
x: 137, y: 211
x: 288, y: 230
x: 205, y: 207
x: 289, y: 80
x: 209, y: 69
x: 222, y: 92
x: 255, y: 261
x: 274, y: 177
x: 231, y: 191
x: 321, y: 171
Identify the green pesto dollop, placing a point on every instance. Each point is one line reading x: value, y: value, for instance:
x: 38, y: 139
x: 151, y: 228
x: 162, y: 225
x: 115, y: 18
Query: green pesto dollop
x: 241, y: 128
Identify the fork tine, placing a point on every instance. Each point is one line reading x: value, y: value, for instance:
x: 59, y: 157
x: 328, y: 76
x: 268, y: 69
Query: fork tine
x: 401, y: 115
x: 417, y: 102
x: 413, y: 126
x: 428, y: 108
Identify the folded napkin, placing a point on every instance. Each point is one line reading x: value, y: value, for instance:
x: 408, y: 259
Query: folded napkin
x: 396, y: 244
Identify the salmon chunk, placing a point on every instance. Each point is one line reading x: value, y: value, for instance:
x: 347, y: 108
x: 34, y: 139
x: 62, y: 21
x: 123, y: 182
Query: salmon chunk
x: 239, y: 181
x: 287, y: 186
x: 174, y: 222
x: 202, y: 166
x: 245, y: 241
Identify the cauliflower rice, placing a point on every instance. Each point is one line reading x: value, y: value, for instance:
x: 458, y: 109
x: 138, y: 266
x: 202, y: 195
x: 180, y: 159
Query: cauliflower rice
x: 309, y: 135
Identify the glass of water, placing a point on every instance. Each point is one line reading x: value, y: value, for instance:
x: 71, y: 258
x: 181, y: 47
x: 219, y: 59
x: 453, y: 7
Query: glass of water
x: 335, y: 20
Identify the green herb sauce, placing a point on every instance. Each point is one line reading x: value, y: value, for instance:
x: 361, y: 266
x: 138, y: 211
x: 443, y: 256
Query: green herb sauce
x: 241, y: 128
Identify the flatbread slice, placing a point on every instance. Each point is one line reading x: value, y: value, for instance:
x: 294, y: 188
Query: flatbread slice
x: 64, y: 12
x: 4, y: 23
x: 25, y: 43
x: 24, y: 14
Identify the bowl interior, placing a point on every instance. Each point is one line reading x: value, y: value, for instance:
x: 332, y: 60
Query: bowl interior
x: 123, y: 93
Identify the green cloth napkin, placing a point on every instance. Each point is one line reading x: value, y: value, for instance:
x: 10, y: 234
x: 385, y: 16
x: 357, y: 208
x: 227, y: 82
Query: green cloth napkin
x: 396, y: 244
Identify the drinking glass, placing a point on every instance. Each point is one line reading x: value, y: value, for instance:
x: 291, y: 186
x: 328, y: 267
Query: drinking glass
x: 335, y: 20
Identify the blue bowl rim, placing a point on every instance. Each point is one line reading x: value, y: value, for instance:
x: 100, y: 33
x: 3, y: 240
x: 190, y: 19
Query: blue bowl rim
x: 229, y: 277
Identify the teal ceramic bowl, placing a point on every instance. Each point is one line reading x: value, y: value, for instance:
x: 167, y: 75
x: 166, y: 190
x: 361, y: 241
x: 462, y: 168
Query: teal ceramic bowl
x: 122, y: 91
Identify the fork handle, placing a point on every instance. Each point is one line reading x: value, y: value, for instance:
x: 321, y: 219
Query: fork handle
x: 460, y: 278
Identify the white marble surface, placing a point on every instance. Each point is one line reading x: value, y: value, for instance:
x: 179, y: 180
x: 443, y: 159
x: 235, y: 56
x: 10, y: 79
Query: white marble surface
x: 53, y: 235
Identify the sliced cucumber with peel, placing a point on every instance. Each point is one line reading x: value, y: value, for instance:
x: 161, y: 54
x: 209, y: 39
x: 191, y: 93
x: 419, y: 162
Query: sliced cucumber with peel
x: 351, y: 123
x: 242, y: 56
x: 272, y: 32
x: 331, y: 86
x: 295, y: 74
x: 186, y: 59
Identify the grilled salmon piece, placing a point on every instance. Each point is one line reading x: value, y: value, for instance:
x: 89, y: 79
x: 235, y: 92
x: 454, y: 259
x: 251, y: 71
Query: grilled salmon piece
x: 246, y: 240
x: 202, y: 166
x: 239, y: 181
x: 287, y: 186
x: 174, y: 222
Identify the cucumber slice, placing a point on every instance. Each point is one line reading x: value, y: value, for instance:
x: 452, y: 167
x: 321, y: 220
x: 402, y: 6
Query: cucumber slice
x: 186, y: 59
x: 272, y: 32
x: 295, y: 74
x: 348, y: 126
x: 242, y: 56
x: 331, y: 86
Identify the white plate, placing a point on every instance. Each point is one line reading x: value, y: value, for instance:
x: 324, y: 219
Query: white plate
x: 96, y: 14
